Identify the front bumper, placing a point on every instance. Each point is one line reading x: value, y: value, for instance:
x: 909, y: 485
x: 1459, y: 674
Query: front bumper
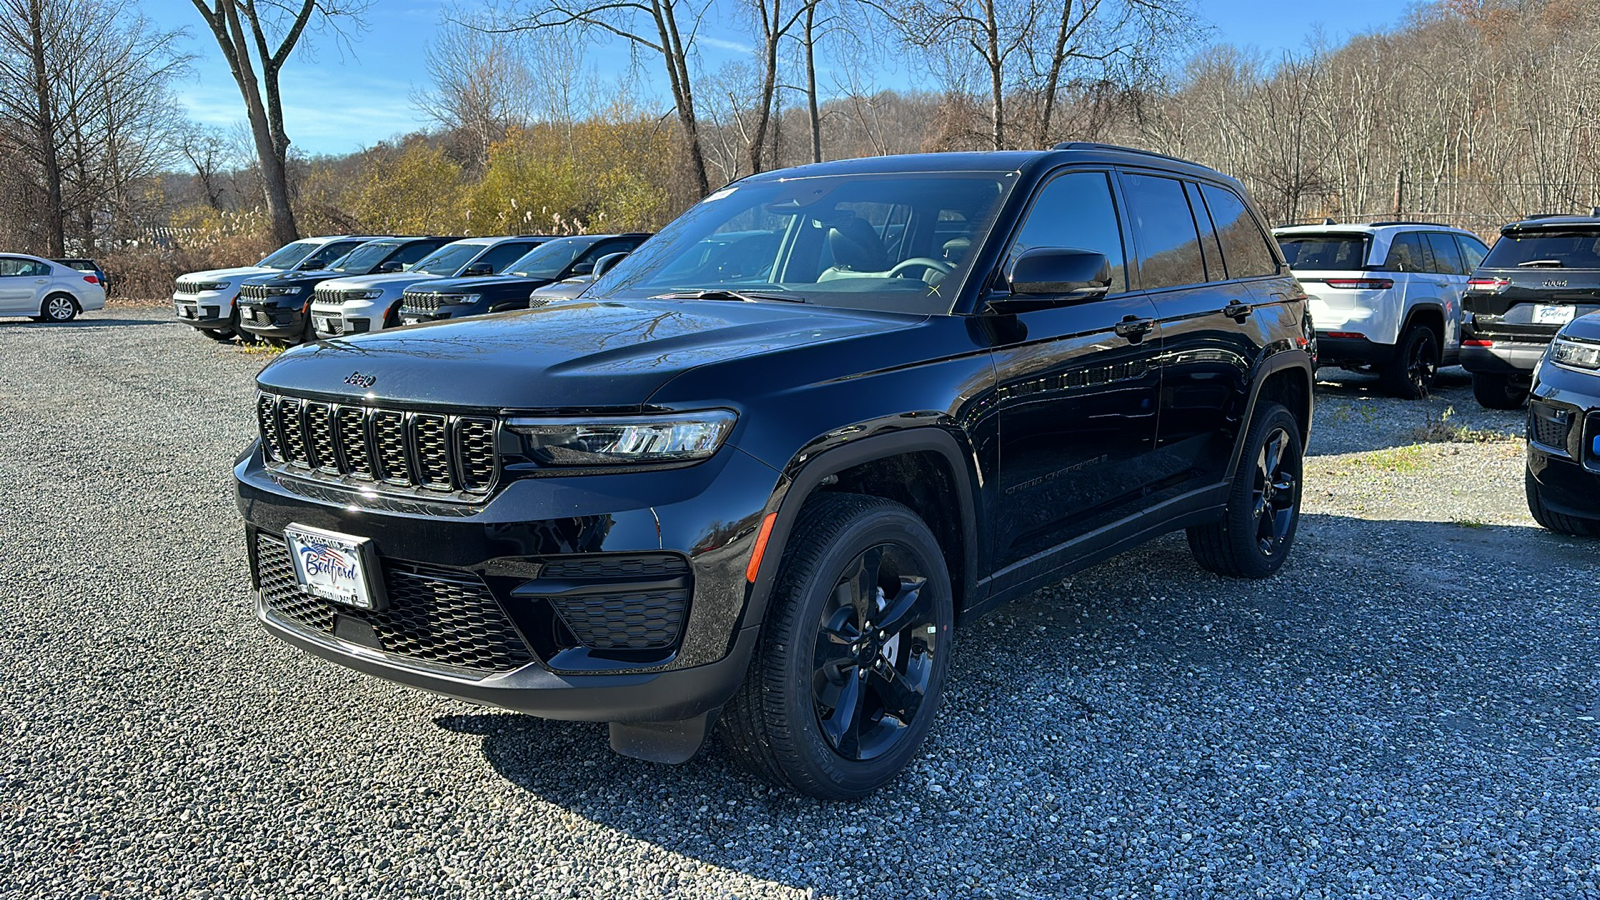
x: 706, y: 514
x: 351, y: 317
x: 1564, y: 440
x: 210, y: 310
x: 273, y: 320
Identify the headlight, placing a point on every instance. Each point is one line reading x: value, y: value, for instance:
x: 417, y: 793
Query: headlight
x: 373, y: 294
x: 283, y: 291
x: 681, y: 437
x: 212, y: 286
x: 1578, y: 354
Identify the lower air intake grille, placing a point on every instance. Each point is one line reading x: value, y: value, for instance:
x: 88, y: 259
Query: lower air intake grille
x: 634, y: 602
x: 441, y: 616
x: 1548, y: 425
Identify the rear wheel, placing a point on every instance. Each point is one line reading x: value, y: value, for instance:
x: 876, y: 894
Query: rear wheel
x: 1410, y: 374
x: 1257, y: 529
x: 846, y: 680
x: 58, y: 308
x: 1496, y: 391
x: 1552, y: 520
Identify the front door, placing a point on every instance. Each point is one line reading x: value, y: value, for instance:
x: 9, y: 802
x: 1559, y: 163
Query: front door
x: 1077, y: 390
x: 19, y: 286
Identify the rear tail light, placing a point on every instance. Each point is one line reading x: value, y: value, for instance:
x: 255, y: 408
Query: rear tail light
x: 1345, y: 334
x: 1361, y: 284
x: 1488, y: 285
x: 91, y: 279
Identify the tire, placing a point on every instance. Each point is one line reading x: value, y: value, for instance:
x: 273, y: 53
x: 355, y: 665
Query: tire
x: 1410, y: 374
x: 58, y: 309
x: 814, y: 660
x: 220, y: 335
x: 1256, y: 531
x: 1554, y: 521
x: 1496, y: 391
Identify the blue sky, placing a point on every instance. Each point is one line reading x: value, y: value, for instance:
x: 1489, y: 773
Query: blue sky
x: 338, y: 100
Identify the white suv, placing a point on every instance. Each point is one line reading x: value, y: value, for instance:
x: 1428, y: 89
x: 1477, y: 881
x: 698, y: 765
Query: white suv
x: 1385, y: 296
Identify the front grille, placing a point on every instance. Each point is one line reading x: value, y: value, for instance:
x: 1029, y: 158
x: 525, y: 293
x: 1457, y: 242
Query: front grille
x: 254, y: 292
x: 441, y: 616
x: 428, y: 301
x: 333, y: 295
x: 1549, y: 426
x: 425, y: 453
x: 616, y: 602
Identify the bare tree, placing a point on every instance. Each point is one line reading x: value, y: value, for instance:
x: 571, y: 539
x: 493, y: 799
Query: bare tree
x: 257, y: 38
x: 482, y: 83
x: 646, y: 25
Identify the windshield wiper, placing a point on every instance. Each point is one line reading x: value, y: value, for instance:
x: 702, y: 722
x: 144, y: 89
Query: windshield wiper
x: 1542, y: 264
x: 720, y: 294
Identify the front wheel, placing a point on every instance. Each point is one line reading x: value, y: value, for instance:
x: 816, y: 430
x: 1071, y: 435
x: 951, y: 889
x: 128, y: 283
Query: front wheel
x: 847, y: 677
x: 1257, y: 529
x: 1495, y: 391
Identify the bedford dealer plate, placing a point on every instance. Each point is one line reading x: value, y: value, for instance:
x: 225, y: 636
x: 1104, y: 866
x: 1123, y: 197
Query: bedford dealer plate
x: 1551, y: 314
x: 335, y: 566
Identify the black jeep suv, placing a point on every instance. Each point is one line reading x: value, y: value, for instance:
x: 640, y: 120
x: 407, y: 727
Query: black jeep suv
x: 550, y: 262
x: 277, y: 307
x: 1563, y: 472
x: 825, y: 416
x: 1541, y: 274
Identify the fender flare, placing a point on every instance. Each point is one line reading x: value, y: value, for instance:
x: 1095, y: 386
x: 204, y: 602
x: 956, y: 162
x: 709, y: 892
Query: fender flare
x: 807, y: 470
x: 1411, y: 314
x: 1272, y: 365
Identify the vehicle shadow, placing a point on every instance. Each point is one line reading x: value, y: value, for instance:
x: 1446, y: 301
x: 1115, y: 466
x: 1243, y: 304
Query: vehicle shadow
x: 82, y: 323
x: 1075, y: 717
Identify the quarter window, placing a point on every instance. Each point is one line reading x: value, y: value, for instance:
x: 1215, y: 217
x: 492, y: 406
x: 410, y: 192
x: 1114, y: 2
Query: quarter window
x: 1446, y: 255
x: 1074, y: 212
x: 1164, y: 232
x: 1244, y: 245
x: 1473, y: 250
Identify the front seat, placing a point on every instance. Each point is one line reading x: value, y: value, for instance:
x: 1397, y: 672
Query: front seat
x: 857, y: 250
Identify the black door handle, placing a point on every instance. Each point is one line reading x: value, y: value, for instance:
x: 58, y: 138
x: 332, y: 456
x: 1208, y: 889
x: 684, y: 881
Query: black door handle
x: 1238, y: 311
x: 1134, y: 328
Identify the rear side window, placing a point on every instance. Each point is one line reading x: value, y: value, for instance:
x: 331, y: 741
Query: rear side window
x: 1163, y: 232
x: 1324, y: 251
x: 1245, y: 246
x: 1446, y: 255
x: 1555, y: 249
x: 1407, y: 253
x: 1209, y: 245
x: 1075, y: 212
x: 1472, y: 251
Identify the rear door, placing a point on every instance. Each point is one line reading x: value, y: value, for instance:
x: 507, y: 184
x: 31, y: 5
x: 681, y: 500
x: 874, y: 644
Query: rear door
x: 21, y: 283
x: 1451, y: 273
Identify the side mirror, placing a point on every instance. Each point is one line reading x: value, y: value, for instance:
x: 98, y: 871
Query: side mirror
x: 582, y: 268
x: 393, y: 265
x: 477, y: 269
x: 1059, y: 273
x: 608, y: 262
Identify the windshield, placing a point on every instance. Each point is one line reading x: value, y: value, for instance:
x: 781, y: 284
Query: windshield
x: 1324, y: 251
x: 1553, y: 249
x: 361, y: 260
x: 287, y: 256
x: 898, y: 242
x: 549, y: 260
x: 448, y: 259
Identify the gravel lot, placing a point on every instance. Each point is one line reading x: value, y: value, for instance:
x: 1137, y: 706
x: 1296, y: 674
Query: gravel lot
x: 1408, y: 710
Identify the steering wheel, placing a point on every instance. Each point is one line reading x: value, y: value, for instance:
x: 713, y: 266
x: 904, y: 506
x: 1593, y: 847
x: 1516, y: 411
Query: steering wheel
x: 926, y: 262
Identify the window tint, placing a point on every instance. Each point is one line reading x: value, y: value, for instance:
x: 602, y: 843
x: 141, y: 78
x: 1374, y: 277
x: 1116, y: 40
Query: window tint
x: 329, y: 253
x: 1324, y: 251
x: 1446, y: 255
x: 1209, y: 246
x: 505, y: 254
x: 1074, y: 212
x: 1473, y: 250
x: 1407, y: 253
x: 1546, y: 249
x: 1244, y: 244
x: 1163, y: 232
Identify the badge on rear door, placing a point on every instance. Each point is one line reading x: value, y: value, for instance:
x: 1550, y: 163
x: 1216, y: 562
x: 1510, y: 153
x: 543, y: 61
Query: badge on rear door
x: 336, y: 566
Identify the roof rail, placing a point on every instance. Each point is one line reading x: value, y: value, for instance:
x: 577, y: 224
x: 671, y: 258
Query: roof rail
x: 1096, y: 145
x: 1407, y: 222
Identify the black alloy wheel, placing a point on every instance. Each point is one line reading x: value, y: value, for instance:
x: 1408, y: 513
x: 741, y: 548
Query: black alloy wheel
x: 874, y: 654
x: 1257, y: 528
x: 855, y: 643
x: 1416, y: 365
x: 1493, y: 390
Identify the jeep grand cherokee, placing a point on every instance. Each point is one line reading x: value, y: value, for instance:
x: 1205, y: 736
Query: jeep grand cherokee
x: 821, y: 419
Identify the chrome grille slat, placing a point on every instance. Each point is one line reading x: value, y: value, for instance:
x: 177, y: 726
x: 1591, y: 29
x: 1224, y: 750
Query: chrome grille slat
x: 423, y: 453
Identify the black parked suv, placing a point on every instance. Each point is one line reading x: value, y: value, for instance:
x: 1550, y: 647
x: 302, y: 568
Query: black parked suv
x: 1541, y: 274
x: 457, y: 298
x: 819, y: 420
x: 1563, y: 474
x: 277, y: 308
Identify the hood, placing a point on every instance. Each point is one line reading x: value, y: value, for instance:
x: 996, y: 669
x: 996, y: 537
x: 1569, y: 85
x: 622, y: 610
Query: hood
x: 388, y: 279
x: 565, y: 356
x: 224, y: 274
x: 564, y: 290
x: 484, y: 283
x: 1583, y: 328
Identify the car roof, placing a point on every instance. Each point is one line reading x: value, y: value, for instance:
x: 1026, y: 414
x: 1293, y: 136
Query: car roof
x: 1553, y: 222
x: 998, y: 161
x: 1369, y: 228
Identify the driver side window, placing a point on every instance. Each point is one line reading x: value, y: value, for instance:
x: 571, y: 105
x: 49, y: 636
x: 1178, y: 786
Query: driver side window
x: 1075, y: 211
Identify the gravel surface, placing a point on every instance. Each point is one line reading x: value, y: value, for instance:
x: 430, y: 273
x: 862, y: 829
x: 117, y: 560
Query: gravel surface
x: 1408, y: 710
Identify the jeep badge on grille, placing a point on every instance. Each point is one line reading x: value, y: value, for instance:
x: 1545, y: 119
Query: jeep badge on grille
x: 360, y: 380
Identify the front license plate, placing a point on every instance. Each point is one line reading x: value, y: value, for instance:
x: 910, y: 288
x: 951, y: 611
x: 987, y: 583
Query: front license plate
x: 409, y: 320
x: 321, y: 324
x: 335, y: 566
x: 1550, y: 314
